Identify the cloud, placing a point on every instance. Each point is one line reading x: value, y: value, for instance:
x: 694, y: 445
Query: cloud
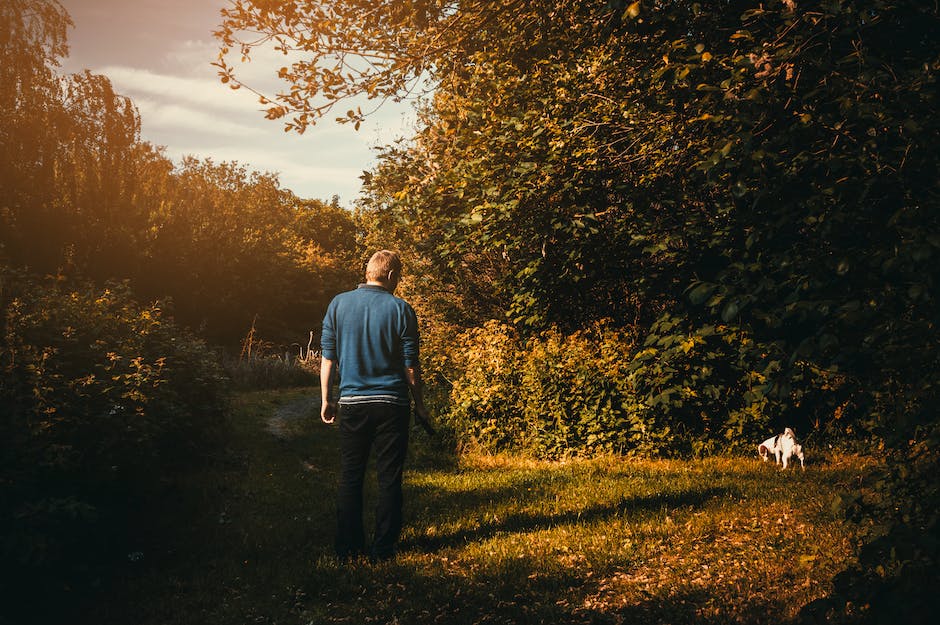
x: 194, y: 91
x: 159, y: 117
x: 186, y: 108
x: 194, y: 57
x: 306, y: 174
x: 191, y: 116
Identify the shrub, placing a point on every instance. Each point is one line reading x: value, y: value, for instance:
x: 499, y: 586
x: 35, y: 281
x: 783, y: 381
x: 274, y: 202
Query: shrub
x: 696, y: 389
x: 571, y: 398
x: 102, y: 399
x: 485, y: 407
x: 683, y: 390
x: 896, y: 508
x: 551, y: 395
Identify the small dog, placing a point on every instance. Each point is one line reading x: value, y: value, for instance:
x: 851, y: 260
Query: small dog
x: 783, y: 447
x: 768, y: 448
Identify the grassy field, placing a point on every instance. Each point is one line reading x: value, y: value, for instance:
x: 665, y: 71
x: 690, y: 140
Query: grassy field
x: 487, y: 540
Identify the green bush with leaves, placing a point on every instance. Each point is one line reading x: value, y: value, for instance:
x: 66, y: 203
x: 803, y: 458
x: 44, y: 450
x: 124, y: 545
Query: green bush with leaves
x: 703, y: 388
x: 682, y: 390
x: 484, y: 398
x: 103, y: 401
x: 573, y: 393
x: 897, y: 508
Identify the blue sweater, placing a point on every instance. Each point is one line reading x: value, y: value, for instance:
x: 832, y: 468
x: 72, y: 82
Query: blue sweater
x: 372, y: 336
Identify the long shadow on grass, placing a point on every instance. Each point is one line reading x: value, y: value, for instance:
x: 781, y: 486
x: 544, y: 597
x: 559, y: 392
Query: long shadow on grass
x: 517, y: 590
x: 529, y: 522
x: 505, y: 592
x: 691, y: 605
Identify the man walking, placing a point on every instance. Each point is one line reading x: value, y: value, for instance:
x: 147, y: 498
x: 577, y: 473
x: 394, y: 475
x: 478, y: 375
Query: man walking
x: 370, y: 339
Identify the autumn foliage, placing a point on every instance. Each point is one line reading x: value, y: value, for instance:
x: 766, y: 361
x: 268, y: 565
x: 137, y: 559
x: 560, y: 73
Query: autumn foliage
x: 636, y: 228
x: 123, y: 277
x: 757, y: 175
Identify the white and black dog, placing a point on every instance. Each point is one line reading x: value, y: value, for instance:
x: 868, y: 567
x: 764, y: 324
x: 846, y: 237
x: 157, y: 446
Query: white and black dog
x: 783, y: 447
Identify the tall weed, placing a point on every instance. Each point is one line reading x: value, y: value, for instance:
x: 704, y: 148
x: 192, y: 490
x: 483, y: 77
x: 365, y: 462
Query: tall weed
x: 260, y: 365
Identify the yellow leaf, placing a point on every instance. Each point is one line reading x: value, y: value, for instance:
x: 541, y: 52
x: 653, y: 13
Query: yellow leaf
x: 633, y: 10
x: 706, y: 56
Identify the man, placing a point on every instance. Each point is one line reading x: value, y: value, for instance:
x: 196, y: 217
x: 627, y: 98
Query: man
x: 370, y: 339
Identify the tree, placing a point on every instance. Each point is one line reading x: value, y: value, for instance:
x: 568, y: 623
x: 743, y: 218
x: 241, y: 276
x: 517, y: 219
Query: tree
x: 32, y: 40
x: 82, y: 196
x: 352, y: 48
x: 69, y: 152
x: 100, y: 224
x: 768, y: 159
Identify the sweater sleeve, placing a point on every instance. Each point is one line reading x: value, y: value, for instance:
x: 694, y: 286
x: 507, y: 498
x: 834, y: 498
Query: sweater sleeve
x: 328, y: 334
x: 409, y: 337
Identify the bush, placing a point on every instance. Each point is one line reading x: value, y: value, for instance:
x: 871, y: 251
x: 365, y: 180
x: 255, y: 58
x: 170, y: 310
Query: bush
x: 551, y: 395
x: 484, y: 408
x: 572, y: 399
x: 683, y: 390
x: 697, y: 389
x: 103, y: 400
x: 897, y: 510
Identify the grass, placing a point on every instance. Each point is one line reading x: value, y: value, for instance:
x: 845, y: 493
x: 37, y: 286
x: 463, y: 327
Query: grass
x: 487, y: 539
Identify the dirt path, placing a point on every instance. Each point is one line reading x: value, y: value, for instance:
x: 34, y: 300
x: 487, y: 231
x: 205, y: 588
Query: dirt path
x: 285, y: 422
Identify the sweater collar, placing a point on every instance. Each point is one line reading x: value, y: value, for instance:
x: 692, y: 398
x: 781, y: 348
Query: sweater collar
x: 373, y: 287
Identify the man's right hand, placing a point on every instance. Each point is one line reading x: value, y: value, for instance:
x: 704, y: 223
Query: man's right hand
x: 328, y: 412
x: 327, y: 408
x: 422, y: 418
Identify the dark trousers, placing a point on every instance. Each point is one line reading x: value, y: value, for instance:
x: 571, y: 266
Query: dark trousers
x: 362, y: 426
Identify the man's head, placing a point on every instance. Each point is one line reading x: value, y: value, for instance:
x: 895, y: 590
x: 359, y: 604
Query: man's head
x: 384, y: 268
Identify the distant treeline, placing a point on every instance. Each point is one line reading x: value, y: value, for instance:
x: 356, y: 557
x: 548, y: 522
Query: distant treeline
x: 84, y: 197
x: 121, y: 274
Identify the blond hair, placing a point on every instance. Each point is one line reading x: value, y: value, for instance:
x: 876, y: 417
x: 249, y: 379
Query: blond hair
x: 381, y: 264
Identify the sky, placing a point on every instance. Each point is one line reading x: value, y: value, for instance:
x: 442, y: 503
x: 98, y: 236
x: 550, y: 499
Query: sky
x: 158, y: 52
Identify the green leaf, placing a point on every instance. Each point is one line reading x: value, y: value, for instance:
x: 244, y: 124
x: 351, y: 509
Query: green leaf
x: 701, y: 292
x: 730, y: 312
